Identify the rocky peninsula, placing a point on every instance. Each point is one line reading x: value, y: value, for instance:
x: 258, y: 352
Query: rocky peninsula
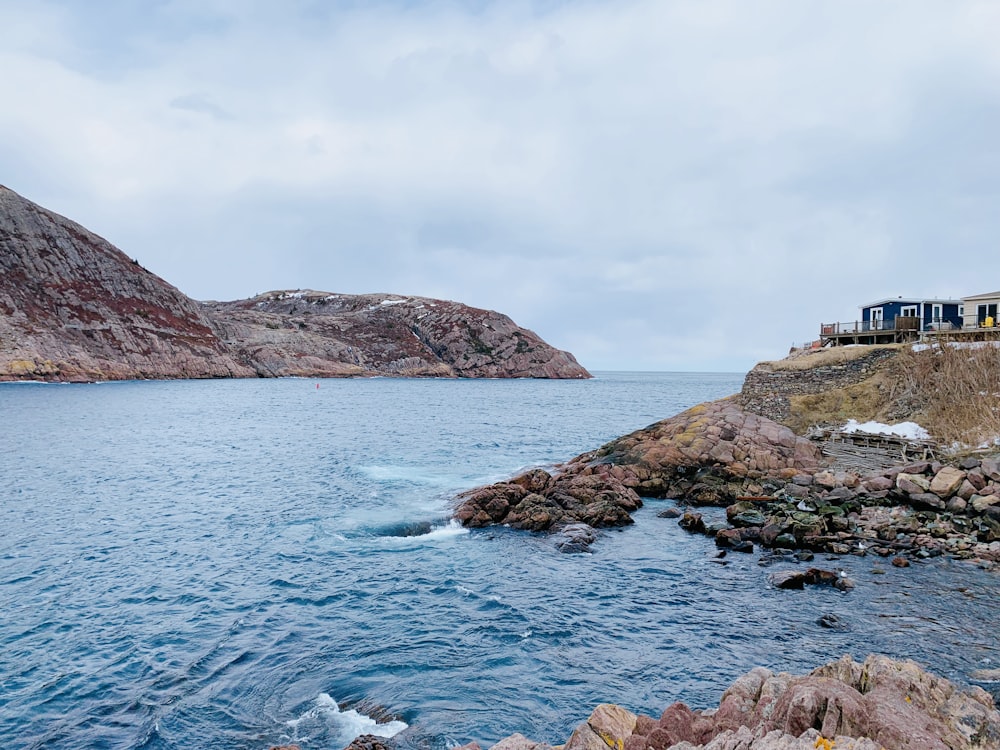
x: 817, y: 490
x: 75, y: 308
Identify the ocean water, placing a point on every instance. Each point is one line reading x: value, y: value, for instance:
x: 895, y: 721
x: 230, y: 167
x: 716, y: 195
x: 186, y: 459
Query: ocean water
x: 237, y: 564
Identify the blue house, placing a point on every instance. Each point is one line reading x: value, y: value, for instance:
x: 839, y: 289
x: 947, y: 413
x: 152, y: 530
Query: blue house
x: 909, y: 313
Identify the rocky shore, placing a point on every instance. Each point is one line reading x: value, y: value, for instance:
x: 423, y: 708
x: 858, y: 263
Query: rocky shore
x: 877, y: 704
x: 780, y: 491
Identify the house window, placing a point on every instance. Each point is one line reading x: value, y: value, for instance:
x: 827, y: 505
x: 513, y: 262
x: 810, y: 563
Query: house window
x: 961, y: 311
x: 909, y: 311
x: 986, y: 311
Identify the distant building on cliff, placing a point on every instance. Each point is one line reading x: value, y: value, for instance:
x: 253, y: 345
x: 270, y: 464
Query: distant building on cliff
x: 906, y: 319
x: 895, y: 320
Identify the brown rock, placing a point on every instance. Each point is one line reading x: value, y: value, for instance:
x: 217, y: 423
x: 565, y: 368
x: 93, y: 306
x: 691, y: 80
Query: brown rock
x: 535, y: 480
x: 609, y: 726
x: 519, y: 742
x: 976, y: 478
x: 536, y: 513
x: 926, y: 501
x: 370, y: 742
x: 912, y: 484
x: 991, y: 468
x: 878, y: 483
x: 966, y: 491
x: 947, y: 481
x: 980, y: 503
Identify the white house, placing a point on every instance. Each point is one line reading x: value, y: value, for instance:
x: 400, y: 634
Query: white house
x: 979, y: 307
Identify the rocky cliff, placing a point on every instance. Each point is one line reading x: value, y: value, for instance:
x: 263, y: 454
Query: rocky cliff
x: 75, y: 308
x: 317, y: 333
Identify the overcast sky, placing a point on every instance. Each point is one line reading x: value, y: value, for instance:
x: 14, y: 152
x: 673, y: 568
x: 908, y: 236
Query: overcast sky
x: 663, y: 185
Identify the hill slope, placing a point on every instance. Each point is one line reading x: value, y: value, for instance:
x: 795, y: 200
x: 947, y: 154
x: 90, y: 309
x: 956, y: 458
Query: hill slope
x: 75, y: 308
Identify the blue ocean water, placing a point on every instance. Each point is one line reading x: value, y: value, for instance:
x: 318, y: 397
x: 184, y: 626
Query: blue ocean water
x: 237, y: 564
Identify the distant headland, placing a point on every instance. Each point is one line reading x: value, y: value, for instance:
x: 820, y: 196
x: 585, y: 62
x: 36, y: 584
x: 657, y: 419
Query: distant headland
x: 74, y: 308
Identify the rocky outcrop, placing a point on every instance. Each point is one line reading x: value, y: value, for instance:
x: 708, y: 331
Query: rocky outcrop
x: 880, y: 703
x: 317, y: 333
x: 777, y: 488
x: 75, y: 308
x: 709, y: 454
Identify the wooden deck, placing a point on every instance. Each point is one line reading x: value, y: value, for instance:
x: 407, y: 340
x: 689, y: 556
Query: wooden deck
x: 899, y: 331
x: 963, y: 334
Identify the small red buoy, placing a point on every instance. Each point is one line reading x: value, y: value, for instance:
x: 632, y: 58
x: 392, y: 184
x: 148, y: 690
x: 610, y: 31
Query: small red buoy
x: 317, y: 385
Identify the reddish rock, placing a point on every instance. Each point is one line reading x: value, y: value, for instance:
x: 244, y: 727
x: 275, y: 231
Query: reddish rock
x: 519, y: 742
x: 73, y: 308
x: 370, y: 742
x: 878, y: 703
x: 878, y: 483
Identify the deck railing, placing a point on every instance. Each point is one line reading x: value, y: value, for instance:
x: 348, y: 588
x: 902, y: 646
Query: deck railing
x: 898, y: 324
x: 875, y: 326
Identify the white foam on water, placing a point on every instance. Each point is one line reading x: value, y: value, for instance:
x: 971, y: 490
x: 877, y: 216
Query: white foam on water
x: 444, y: 533
x: 450, y: 530
x: 397, y: 472
x: 325, y: 718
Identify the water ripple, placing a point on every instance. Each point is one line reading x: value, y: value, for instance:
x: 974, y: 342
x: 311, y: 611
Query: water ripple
x: 227, y: 553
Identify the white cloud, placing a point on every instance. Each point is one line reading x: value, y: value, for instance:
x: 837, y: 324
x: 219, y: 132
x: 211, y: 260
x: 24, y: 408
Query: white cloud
x: 651, y: 184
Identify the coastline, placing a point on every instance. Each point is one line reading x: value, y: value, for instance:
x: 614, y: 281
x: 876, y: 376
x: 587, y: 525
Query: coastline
x: 788, y: 497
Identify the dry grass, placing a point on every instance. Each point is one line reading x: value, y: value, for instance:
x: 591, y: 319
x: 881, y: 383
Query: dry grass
x: 809, y: 359
x: 953, y: 392
x: 868, y: 400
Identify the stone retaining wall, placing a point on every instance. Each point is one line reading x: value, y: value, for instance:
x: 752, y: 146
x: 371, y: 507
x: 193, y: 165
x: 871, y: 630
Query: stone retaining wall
x: 766, y: 391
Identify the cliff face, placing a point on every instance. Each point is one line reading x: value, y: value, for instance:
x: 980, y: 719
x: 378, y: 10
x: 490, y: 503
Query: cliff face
x: 75, y: 308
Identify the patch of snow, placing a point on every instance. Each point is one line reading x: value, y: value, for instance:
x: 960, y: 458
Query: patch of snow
x: 907, y: 430
x: 298, y: 294
x: 393, y: 301
x: 958, y: 345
